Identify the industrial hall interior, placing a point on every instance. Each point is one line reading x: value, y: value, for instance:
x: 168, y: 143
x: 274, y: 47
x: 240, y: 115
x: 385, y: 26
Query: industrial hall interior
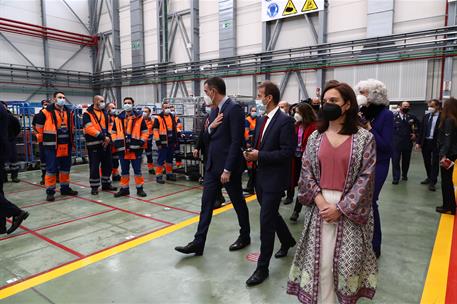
x: 228, y: 151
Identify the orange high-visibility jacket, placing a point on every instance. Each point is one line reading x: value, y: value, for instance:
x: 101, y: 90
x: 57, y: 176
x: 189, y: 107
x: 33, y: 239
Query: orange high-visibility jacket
x: 249, y: 130
x: 164, y: 124
x: 54, y: 126
x: 39, y: 136
x: 129, y: 132
x: 96, y: 126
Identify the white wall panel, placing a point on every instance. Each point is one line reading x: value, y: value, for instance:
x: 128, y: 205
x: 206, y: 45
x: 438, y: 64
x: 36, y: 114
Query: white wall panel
x: 31, y: 47
x: 404, y: 81
x: 150, y: 31
x: 248, y: 27
x: 143, y: 94
x: 209, y: 29
x: 295, y: 32
x: 347, y: 20
x: 418, y: 15
x: 126, y: 38
x: 26, y: 10
x: 59, y: 16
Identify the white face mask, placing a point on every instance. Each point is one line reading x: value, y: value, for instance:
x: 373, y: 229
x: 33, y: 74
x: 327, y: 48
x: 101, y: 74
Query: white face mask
x: 172, y: 112
x: 284, y: 111
x: 128, y: 107
x: 101, y: 105
x: 208, y: 100
x: 298, y: 117
x: 167, y: 111
x: 362, y: 100
x: 254, y: 114
x: 431, y: 109
x: 61, y: 102
x: 145, y: 115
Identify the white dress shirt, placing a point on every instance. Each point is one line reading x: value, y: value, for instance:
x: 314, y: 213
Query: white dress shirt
x: 432, y: 129
x: 270, y: 115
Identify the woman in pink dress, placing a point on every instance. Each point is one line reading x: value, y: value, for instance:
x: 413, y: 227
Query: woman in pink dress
x: 334, y: 261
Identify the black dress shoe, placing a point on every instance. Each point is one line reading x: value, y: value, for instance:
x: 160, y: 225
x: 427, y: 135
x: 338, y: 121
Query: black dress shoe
x: 50, y: 198
x: 171, y: 177
x: 257, y: 277
x: 249, y: 190
x: 140, y: 192
x: 431, y: 187
x: 239, y: 244
x: 444, y: 210
x: 190, y: 248
x: 17, y: 221
x: 282, y: 252
x: 425, y: 182
x: 159, y: 180
x: 122, y: 192
x: 69, y: 192
x: 394, y: 182
x: 288, y: 201
x: 294, y: 216
x: 94, y: 191
x: 405, y: 178
x: 217, y: 205
x: 108, y: 187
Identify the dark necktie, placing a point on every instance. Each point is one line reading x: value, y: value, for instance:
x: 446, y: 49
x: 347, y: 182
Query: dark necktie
x: 259, y: 139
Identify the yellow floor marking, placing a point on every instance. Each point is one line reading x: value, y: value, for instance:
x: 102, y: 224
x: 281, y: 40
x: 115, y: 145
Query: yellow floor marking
x: 435, y: 285
x: 58, y: 272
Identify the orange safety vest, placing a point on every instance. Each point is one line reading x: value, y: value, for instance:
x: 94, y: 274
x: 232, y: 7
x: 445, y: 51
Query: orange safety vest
x: 129, y: 134
x: 163, y: 125
x: 95, y: 126
x: 250, y: 128
x: 39, y: 136
x: 57, y: 130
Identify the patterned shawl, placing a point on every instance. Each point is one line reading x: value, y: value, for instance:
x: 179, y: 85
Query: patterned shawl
x: 355, y: 265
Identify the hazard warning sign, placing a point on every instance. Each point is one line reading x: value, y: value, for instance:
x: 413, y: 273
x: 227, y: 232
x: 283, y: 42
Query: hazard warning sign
x: 310, y: 5
x: 278, y: 9
x: 289, y: 9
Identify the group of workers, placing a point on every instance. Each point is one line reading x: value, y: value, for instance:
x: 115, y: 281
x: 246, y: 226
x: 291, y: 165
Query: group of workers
x: 111, y: 140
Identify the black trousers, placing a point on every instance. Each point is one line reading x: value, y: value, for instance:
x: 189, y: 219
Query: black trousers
x: 7, y: 209
x: 403, y: 154
x: 430, y: 154
x: 447, y: 187
x: 271, y: 222
x: 100, y: 158
x: 211, y: 186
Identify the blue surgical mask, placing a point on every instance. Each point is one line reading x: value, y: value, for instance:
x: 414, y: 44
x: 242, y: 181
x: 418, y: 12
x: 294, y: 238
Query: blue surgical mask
x: 61, y: 102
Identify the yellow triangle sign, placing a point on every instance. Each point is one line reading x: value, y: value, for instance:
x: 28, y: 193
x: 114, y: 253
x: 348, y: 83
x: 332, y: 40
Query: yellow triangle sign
x: 289, y: 9
x: 310, y: 5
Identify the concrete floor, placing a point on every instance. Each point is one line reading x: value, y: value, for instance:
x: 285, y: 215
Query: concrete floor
x: 155, y: 273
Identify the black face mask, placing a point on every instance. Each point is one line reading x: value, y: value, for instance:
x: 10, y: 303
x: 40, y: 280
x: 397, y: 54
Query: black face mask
x: 331, y: 111
x: 406, y: 110
x: 316, y: 108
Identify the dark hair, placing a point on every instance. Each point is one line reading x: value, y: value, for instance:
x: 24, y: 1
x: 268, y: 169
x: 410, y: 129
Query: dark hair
x: 217, y: 83
x: 149, y: 109
x: 129, y: 98
x: 401, y: 102
x: 43, y: 101
x: 307, y: 113
x: 271, y: 89
x: 449, y: 111
x: 436, y: 101
x: 352, y: 122
x: 57, y: 92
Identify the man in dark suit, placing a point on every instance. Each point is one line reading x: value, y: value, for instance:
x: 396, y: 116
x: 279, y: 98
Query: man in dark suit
x: 405, y: 132
x: 427, y: 140
x: 224, y: 166
x: 7, y: 209
x: 275, y: 142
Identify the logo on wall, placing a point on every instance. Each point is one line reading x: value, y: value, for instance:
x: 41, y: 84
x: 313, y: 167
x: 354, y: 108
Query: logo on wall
x: 273, y: 10
x: 310, y: 5
x: 289, y: 9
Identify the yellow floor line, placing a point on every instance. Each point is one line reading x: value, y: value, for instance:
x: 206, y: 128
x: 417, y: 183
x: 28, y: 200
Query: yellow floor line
x: 58, y: 272
x: 435, y: 285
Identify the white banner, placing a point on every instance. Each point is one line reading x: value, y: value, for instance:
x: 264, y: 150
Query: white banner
x: 277, y: 9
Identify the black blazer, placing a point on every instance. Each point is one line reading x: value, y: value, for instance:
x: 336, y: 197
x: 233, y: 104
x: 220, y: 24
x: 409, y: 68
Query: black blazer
x: 448, y: 139
x: 4, y: 143
x: 421, y: 136
x: 403, y: 130
x: 226, y: 141
x: 275, y: 152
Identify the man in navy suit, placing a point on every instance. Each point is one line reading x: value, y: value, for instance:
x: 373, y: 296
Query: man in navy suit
x: 428, y: 141
x: 275, y: 141
x: 224, y: 166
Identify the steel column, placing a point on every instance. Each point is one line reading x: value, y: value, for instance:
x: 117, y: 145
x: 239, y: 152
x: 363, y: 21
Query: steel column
x: 195, y: 42
x: 45, y: 44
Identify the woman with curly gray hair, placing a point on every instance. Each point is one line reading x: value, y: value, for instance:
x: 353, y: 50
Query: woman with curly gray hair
x: 373, y: 103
